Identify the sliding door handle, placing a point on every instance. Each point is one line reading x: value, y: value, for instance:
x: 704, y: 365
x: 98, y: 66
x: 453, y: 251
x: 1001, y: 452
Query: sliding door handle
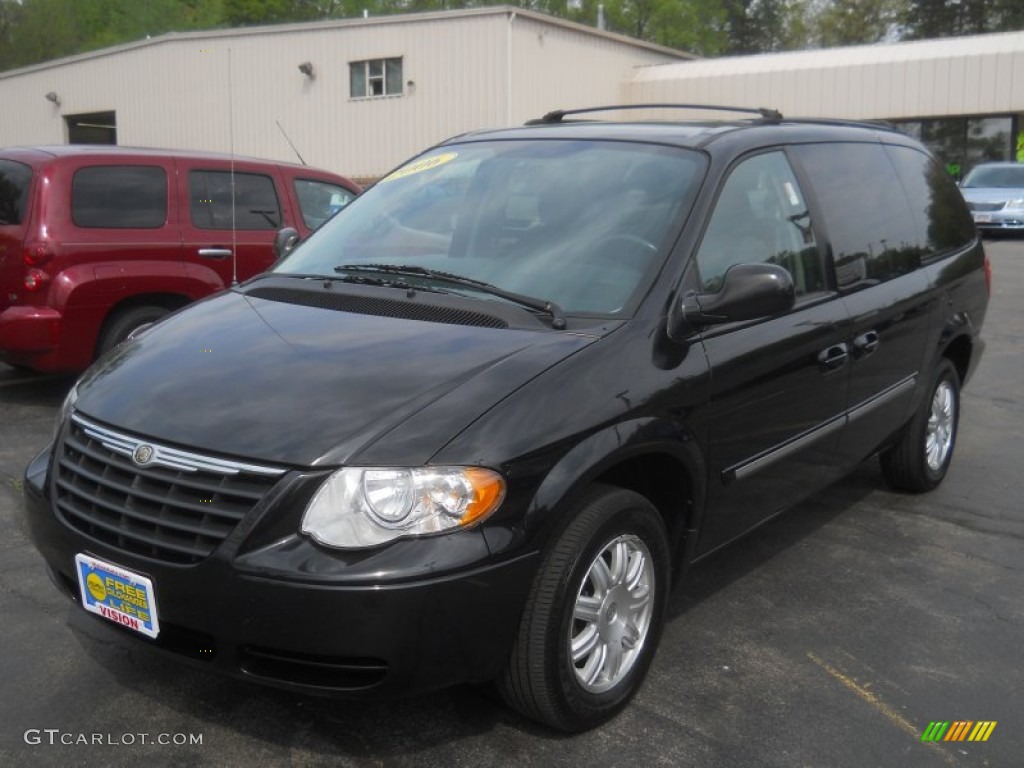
x: 866, y: 343
x: 834, y: 357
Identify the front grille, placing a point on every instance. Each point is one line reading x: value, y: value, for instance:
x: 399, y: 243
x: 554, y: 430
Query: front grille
x: 379, y: 306
x: 986, y: 206
x: 176, y: 509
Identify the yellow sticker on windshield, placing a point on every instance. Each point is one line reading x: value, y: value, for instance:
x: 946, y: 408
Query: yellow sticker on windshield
x: 426, y: 164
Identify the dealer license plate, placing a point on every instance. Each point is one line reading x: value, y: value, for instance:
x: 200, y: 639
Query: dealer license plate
x: 117, y: 594
x: 982, y: 218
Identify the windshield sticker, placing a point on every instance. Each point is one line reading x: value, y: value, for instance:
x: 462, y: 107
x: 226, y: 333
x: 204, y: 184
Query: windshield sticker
x: 426, y: 164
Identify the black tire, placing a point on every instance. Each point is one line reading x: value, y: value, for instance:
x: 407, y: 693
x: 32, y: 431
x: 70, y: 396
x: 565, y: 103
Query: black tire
x: 120, y: 325
x: 918, y: 463
x: 541, y: 680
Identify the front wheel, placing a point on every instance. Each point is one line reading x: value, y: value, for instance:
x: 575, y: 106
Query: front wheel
x: 594, y: 617
x: 921, y: 458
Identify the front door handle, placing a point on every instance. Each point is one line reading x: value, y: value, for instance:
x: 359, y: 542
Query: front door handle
x: 866, y: 343
x: 215, y: 253
x: 834, y: 357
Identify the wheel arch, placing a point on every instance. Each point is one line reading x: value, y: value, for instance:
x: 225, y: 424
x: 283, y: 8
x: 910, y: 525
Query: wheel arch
x: 668, y: 472
x: 170, y: 301
x: 960, y: 351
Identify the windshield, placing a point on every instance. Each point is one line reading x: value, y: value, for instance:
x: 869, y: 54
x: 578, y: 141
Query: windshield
x: 996, y: 176
x: 583, y: 224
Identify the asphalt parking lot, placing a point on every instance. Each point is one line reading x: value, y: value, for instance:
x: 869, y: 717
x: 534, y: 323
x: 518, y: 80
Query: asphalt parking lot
x: 831, y: 637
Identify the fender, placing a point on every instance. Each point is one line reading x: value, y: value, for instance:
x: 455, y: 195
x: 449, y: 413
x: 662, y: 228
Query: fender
x: 85, y: 293
x: 600, y: 452
x: 962, y: 300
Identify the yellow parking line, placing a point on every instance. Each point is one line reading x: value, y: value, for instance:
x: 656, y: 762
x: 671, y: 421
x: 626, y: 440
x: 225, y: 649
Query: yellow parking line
x: 876, y: 701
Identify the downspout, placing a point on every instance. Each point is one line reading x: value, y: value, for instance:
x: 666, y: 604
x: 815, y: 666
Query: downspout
x: 508, y: 68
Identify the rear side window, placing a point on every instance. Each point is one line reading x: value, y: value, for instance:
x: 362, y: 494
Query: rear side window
x: 15, y: 179
x: 872, y: 229
x: 255, y: 200
x: 119, y: 197
x: 939, y: 210
x: 320, y: 200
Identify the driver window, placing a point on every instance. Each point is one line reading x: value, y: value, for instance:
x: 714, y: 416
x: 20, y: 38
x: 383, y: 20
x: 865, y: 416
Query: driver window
x: 761, y: 217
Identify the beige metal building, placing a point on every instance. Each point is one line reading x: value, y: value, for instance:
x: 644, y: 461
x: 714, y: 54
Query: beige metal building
x: 360, y: 95
x: 356, y: 95
x: 962, y: 96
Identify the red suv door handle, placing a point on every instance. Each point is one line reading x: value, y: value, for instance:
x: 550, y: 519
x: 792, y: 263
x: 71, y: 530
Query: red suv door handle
x: 834, y: 357
x: 214, y: 253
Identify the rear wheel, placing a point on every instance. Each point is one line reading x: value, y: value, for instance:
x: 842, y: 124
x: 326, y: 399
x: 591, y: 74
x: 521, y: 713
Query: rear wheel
x: 594, y: 616
x: 124, y: 322
x: 921, y: 458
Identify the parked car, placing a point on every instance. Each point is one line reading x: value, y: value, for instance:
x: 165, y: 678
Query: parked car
x: 995, y: 194
x: 98, y: 241
x: 417, y: 453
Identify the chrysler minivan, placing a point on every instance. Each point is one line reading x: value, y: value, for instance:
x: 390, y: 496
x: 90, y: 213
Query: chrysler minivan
x: 477, y: 426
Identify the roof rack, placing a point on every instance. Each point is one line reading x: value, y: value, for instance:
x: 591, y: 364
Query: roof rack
x: 556, y: 116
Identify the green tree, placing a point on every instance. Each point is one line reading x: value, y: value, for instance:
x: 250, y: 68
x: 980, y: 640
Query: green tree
x: 850, y: 22
x: 755, y: 26
x: 947, y: 18
x: 38, y: 30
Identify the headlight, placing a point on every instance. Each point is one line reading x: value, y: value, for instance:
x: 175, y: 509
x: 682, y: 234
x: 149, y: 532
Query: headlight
x: 65, y: 410
x: 367, y: 506
x: 1016, y: 203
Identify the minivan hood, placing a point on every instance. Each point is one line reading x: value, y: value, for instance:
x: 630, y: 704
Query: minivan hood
x: 299, y: 385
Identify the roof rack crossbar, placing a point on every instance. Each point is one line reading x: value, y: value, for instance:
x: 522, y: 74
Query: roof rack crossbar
x: 556, y: 116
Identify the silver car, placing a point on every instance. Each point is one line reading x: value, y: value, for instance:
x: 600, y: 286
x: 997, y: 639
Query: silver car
x: 995, y: 194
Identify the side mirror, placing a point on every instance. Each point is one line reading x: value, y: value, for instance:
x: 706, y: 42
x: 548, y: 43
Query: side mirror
x: 285, y: 240
x: 749, y: 291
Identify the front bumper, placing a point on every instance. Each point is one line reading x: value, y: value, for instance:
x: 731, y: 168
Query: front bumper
x: 1008, y: 220
x: 308, y: 628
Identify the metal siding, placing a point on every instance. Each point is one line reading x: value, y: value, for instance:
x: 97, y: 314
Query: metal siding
x: 973, y: 75
x: 560, y: 68
x: 175, y: 94
x: 1015, y: 77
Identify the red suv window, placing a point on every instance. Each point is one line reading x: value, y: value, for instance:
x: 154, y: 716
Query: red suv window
x: 119, y: 197
x: 255, y: 201
x: 14, y: 183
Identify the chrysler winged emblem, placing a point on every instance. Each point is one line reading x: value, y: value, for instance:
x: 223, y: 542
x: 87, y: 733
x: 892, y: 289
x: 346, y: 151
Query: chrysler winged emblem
x: 143, y: 454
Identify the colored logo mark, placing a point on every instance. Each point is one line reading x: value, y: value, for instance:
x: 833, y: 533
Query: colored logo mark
x: 959, y: 730
x: 96, y: 588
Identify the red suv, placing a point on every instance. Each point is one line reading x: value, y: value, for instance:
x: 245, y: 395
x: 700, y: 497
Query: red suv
x: 98, y: 241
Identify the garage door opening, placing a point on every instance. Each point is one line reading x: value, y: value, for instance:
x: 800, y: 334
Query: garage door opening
x: 92, y: 128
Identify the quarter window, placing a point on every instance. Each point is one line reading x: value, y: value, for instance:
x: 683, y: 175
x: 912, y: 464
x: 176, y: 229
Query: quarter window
x: 761, y: 217
x: 938, y: 207
x: 320, y: 200
x: 119, y: 197
x: 872, y: 230
x: 15, y: 179
x: 255, y: 200
x: 375, y: 77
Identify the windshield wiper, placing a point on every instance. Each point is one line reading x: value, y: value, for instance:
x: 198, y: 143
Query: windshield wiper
x: 408, y: 270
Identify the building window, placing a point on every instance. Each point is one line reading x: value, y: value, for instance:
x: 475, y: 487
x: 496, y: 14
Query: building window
x: 961, y: 143
x: 92, y: 128
x: 376, y: 77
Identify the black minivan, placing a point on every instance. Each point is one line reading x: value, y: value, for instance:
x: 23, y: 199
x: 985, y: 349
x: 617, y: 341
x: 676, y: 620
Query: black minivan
x: 476, y: 426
